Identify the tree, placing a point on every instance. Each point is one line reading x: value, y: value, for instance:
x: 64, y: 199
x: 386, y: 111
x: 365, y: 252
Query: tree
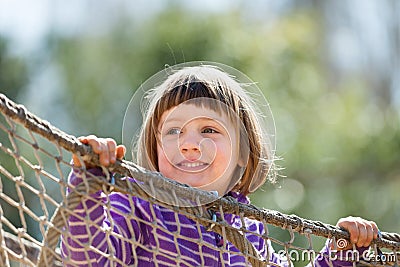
x: 13, y: 71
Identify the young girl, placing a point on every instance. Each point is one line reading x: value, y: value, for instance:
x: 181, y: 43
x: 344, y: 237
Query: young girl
x: 201, y: 129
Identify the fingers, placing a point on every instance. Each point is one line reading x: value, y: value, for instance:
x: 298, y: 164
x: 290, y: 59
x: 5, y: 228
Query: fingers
x: 121, y: 150
x: 76, y: 161
x: 361, y: 231
x: 112, y: 151
x: 106, y: 148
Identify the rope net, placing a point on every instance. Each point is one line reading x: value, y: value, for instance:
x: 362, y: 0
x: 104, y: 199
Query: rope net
x: 39, y: 206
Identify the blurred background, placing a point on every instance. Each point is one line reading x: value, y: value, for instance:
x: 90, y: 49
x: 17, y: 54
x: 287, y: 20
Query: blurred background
x: 330, y: 70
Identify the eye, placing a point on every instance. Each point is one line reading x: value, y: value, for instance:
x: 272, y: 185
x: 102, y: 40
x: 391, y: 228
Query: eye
x: 209, y: 130
x: 173, y: 131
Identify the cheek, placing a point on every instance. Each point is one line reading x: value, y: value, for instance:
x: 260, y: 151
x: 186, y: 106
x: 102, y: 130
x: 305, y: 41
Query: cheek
x: 224, y: 154
x: 229, y: 154
x: 165, y: 166
x: 168, y: 149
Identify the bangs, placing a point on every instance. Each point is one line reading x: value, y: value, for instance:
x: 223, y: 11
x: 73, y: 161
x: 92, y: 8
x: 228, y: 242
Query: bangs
x: 206, y: 95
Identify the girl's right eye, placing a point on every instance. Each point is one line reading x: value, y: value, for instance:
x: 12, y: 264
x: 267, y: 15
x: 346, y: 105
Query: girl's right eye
x: 173, y: 131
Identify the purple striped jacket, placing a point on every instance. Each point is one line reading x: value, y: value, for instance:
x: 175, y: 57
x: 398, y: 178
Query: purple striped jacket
x: 136, y: 233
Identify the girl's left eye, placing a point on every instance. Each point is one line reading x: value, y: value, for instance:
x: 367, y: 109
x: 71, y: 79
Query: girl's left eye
x: 209, y: 130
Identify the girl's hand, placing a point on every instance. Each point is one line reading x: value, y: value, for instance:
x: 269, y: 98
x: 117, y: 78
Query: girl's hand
x: 106, y: 148
x: 361, y: 231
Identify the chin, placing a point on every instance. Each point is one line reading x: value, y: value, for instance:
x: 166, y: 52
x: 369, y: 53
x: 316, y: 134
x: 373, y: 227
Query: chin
x: 195, y: 184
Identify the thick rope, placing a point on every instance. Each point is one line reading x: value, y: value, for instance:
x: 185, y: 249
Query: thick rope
x: 19, y: 114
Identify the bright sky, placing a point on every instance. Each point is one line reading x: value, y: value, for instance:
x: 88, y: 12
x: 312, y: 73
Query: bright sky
x: 26, y: 23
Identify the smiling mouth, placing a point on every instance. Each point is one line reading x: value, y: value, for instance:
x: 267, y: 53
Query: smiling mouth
x: 192, y: 166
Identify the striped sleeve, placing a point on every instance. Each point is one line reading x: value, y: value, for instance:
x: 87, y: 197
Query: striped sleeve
x: 87, y: 239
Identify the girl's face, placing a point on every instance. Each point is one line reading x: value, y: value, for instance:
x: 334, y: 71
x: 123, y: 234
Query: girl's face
x: 197, y: 146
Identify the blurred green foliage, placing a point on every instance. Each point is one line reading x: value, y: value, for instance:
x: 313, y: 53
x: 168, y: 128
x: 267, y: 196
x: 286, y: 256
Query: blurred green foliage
x: 339, y: 143
x: 13, y: 71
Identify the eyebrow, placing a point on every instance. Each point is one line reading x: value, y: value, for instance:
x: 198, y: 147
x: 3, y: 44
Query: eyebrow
x: 174, y: 120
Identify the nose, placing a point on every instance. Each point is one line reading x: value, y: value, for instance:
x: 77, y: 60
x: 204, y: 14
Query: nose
x: 189, y: 144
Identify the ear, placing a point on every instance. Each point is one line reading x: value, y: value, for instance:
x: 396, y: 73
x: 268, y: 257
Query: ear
x: 243, y: 157
x: 243, y: 148
x: 241, y: 161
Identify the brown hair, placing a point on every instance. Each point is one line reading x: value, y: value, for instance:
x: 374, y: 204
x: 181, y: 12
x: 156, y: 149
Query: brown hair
x: 205, y: 81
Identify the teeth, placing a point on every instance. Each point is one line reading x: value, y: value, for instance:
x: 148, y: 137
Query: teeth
x: 192, y: 165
